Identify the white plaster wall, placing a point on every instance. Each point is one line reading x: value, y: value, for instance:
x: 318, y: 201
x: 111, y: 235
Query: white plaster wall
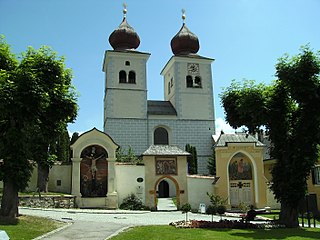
x: 126, y: 181
x: 172, y: 188
x: 271, y: 201
x: 62, y: 173
x: 198, y: 186
x: 57, y: 172
x: 129, y: 104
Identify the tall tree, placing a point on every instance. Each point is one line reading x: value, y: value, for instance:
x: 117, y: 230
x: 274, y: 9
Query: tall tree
x: 59, y: 104
x: 73, y: 139
x: 63, y: 146
x: 212, y: 163
x: 192, y: 159
x: 292, y: 119
x: 19, y: 103
x: 36, y: 100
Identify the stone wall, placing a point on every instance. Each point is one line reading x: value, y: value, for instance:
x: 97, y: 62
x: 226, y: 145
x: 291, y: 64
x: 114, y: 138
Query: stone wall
x: 54, y: 201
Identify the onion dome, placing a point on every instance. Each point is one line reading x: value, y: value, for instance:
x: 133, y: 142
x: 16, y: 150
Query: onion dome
x: 124, y: 37
x: 184, y: 42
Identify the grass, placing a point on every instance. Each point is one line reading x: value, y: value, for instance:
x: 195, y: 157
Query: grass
x: 30, y: 227
x: 275, y: 215
x: 169, y: 232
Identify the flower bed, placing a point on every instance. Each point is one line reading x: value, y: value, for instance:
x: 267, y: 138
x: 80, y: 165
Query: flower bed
x: 232, y: 224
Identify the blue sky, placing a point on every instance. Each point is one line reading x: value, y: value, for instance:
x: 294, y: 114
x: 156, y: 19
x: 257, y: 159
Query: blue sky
x: 245, y: 37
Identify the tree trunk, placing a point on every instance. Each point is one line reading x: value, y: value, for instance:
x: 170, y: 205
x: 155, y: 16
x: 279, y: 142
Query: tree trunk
x: 289, y: 216
x: 9, y: 203
x: 43, y: 178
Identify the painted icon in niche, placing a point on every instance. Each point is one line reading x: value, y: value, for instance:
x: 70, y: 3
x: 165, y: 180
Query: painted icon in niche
x: 240, y: 169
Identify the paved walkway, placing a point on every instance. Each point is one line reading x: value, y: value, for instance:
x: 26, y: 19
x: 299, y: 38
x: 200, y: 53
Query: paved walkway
x: 166, y: 204
x: 102, y: 224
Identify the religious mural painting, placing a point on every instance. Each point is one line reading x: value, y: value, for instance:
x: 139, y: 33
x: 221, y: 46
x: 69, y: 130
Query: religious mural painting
x: 240, y: 168
x: 166, y: 166
x: 240, y: 179
x: 93, y: 172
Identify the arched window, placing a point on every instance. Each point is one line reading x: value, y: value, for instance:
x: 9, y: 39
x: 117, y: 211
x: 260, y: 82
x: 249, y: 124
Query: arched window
x: 169, y: 88
x: 160, y: 136
x: 132, y: 77
x: 127, y: 63
x: 122, y: 76
x: 197, y: 82
x: 189, y: 81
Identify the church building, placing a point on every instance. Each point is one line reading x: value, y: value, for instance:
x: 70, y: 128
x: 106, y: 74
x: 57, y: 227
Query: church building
x: 186, y: 116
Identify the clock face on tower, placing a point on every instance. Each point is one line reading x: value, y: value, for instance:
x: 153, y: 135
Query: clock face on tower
x: 193, y: 68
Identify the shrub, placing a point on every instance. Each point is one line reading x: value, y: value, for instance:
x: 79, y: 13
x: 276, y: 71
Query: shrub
x: 243, y: 207
x: 185, y: 208
x: 221, y: 209
x: 132, y: 202
x: 211, y: 210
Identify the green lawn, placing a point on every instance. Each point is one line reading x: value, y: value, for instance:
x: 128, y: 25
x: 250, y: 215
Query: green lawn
x: 30, y: 227
x: 169, y: 232
x: 276, y: 216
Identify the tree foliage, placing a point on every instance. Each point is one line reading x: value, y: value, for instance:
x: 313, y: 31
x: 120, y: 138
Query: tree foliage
x: 58, y: 104
x: 63, y: 146
x: 129, y: 157
x: 192, y: 159
x: 36, y: 101
x: 212, y: 163
x: 290, y: 113
x: 244, y: 104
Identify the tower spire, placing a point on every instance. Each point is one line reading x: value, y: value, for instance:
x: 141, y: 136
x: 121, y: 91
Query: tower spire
x: 124, y: 10
x: 183, y: 15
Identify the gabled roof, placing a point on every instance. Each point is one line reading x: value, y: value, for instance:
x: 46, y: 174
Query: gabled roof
x: 165, y: 150
x: 161, y: 108
x: 224, y: 139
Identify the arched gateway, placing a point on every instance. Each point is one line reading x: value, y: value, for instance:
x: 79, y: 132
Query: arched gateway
x: 165, y: 163
x: 93, y: 174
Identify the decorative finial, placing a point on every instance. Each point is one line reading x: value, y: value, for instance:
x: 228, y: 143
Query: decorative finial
x: 124, y: 10
x: 183, y: 15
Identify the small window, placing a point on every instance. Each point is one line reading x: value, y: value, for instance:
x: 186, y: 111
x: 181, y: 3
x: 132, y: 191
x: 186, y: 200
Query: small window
x: 316, y: 175
x: 171, y: 82
x: 160, y: 136
x: 169, y: 88
x: 197, y: 82
x: 127, y: 63
x: 189, y: 81
x: 58, y: 182
x: 122, y: 76
x: 132, y: 77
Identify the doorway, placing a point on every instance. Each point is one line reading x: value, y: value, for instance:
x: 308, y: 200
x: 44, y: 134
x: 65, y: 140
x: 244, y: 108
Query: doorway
x: 167, y: 196
x: 163, y: 189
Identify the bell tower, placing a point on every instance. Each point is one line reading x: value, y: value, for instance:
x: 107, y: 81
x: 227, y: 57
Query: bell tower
x: 188, y: 78
x: 125, y: 98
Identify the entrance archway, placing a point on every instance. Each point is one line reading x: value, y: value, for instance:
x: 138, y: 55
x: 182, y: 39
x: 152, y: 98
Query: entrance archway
x: 173, y: 190
x: 241, y: 183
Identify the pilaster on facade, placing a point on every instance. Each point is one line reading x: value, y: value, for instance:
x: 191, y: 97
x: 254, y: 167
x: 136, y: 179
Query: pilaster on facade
x: 75, y: 190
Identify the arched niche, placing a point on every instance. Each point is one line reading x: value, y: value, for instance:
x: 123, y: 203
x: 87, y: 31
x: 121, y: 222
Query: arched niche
x: 94, y: 150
